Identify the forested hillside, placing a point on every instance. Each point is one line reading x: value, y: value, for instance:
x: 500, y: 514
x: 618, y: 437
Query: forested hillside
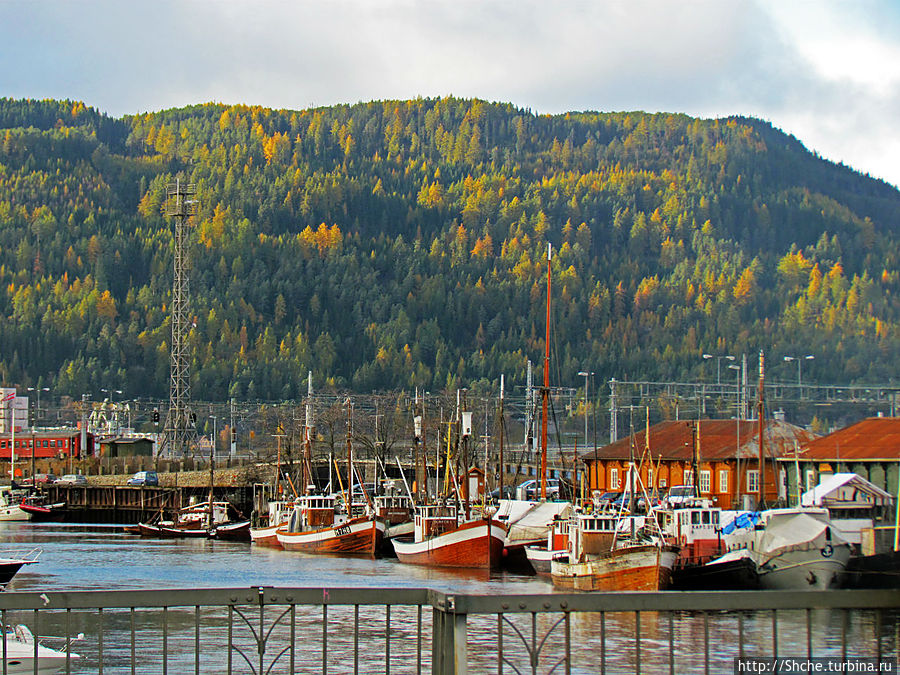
x: 402, y: 243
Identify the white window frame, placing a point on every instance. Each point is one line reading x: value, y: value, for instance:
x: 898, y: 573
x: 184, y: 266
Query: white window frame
x: 752, y: 481
x: 688, y: 477
x: 614, y: 478
x: 723, y: 481
x: 810, y: 479
x: 705, y: 481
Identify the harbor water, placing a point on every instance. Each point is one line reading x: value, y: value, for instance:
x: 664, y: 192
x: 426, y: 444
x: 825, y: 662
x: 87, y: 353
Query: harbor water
x: 92, y: 557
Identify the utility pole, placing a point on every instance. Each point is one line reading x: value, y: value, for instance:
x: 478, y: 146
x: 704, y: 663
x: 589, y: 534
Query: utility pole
x: 180, y: 431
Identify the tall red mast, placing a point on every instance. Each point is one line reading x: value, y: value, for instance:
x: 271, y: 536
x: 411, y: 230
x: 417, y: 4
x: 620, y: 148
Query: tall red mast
x: 545, y: 391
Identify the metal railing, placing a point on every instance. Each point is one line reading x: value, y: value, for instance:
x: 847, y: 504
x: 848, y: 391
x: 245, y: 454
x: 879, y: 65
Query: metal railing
x: 288, y: 630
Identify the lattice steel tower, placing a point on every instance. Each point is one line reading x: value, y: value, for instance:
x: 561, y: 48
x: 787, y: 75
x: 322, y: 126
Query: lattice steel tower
x: 180, y: 431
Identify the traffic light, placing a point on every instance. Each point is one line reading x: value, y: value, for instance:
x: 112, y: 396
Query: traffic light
x: 233, y: 435
x: 156, y: 415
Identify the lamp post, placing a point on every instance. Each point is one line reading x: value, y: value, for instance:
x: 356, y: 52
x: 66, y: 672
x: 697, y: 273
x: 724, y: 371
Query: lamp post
x: 585, y: 374
x: 213, y: 450
x: 737, y: 431
x: 799, y: 360
x: 718, y: 364
x: 37, y: 391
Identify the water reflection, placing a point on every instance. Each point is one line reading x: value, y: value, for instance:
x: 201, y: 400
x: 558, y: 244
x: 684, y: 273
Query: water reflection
x: 99, y: 557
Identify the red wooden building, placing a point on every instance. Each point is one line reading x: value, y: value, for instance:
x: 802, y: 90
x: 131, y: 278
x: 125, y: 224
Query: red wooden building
x: 727, y: 458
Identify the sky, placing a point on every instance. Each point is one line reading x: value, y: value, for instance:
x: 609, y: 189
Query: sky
x: 826, y: 71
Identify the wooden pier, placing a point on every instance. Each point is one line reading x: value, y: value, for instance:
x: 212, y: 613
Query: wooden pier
x: 127, y: 505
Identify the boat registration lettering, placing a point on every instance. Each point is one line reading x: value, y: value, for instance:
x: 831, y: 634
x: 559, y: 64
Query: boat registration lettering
x: 342, y: 530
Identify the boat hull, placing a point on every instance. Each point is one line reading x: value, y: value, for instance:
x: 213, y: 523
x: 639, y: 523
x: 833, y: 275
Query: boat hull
x: 13, y: 513
x: 359, y: 536
x: 541, y: 559
x: 810, y: 569
x: 234, y: 531
x: 634, y: 568
x: 266, y: 536
x: 45, y: 513
x: 477, y: 544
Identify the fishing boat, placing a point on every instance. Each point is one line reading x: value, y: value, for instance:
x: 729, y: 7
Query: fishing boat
x: 279, y: 512
x: 555, y: 548
x: 195, y: 521
x: 315, y: 527
x: 616, y: 550
x: 442, y: 537
x: 233, y: 531
x: 397, y: 511
x: 26, y: 655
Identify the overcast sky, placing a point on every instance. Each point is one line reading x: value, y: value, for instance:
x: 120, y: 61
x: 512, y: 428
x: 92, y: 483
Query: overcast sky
x: 827, y: 71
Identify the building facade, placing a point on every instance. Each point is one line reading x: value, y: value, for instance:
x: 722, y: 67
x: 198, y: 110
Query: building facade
x: 719, y: 457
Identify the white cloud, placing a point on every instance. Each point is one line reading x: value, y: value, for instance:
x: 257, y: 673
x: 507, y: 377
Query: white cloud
x: 827, y: 71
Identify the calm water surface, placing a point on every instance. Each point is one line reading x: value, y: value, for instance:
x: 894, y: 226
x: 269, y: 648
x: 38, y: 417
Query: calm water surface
x: 92, y: 557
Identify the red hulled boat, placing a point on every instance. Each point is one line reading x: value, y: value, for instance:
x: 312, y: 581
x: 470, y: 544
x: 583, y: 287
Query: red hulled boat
x: 441, y: 540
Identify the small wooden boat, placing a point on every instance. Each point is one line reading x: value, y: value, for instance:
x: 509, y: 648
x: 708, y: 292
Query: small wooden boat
x: 314, y: 527
x: 630, y: 567
x: 236, y: 531
x: 192, y: 522
x: 612, y: 552
x: 443, y: 539
x: 555, y: 548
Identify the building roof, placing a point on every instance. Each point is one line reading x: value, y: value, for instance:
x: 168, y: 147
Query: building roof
x: 873, y: 438
x: 719, y: 440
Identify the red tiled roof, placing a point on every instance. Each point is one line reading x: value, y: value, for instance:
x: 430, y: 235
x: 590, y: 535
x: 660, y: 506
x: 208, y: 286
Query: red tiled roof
x: 870, y: 439
x: 719, y: 439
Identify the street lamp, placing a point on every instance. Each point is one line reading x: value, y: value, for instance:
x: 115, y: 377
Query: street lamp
x: 213, y: 451
x: 585, y: 374
x: 799, y: 360
x: 37, y: 391
x: 718, y: 365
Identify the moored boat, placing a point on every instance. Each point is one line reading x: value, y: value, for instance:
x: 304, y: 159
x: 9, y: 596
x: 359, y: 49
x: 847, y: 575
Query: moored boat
x: 279, y: 513
x: 9, y: 566
x: 39, y: 510
x: 791, y: 549
x: 612, y: 552
x: 10, y: 510
x: 314, y: 527
x: 25, y: 655
x: 442, y: 539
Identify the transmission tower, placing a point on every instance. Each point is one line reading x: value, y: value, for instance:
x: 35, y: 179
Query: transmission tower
x: 180, y: 431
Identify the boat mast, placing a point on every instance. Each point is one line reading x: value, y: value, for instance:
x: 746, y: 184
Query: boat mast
x: 500, y: 478
x: 545, y: 391
x: 760, y: 417
x: 417, y: 436
x: 349, y: 500
x: 307, y: 460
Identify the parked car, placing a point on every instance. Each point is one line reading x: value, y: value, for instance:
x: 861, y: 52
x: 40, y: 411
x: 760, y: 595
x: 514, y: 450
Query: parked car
x: 71, y: 479
x: 144, y: 478
x: 679, y: 495
x: 38, y: 479
x: 531, y: 489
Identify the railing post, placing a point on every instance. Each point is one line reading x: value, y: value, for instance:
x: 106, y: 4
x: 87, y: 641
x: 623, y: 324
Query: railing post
x: 449, y: 655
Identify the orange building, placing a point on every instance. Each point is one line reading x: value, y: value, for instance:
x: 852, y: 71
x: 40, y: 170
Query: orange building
x: 725, y: 453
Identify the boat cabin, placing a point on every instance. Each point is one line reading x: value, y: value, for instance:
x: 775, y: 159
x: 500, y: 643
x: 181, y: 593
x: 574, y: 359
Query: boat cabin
x: 196, y: 516
x: 435, y: 519
x: 695, y: 528
x: 394, y: 509
x: 312, y: 512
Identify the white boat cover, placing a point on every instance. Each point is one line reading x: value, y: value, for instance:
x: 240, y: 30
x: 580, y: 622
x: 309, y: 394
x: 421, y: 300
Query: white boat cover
x: 798, y: 531
x: 529, y: 521
x: 844, y: 487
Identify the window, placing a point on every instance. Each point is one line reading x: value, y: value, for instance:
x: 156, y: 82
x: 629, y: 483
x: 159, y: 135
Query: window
x: 753, y: 481
x: 705, y: 481
x: 53, y: 443
x: 614, y: 478
x: 649, y: 478
x: 723, y: 480
x: 810, y: 479
x: 688, y: 477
